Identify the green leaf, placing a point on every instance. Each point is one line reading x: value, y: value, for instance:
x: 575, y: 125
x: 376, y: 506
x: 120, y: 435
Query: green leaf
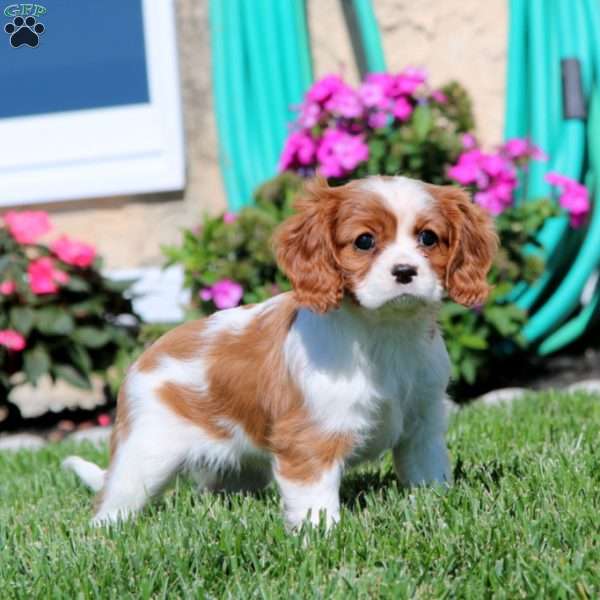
x: 36, y: 363
x: 54, y: 321
x: 473, y: 341
x: 80, y: 357
x: 77, y: 284
x: 72, y: 376
x: 422, y: 121
x: 92, y: 337
x: 468, y: 370
x: 22, y: 319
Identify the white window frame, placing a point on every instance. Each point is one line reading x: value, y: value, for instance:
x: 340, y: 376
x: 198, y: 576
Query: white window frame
x: 92, y: 153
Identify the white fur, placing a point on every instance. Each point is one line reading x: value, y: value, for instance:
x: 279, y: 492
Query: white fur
x: 377, y: 372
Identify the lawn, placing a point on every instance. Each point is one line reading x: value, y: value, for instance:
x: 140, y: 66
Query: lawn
x: 522, y: 520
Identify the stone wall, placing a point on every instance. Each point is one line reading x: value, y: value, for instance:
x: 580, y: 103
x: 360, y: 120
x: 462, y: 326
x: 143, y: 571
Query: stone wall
x: 462, y: 39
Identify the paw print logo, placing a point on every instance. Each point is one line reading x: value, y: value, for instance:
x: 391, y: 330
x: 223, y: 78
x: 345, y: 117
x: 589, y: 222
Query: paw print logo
x: 24, y: 32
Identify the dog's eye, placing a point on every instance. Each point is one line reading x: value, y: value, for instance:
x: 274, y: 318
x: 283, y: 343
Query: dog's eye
x: 365, y: 241
x: 427, y: 238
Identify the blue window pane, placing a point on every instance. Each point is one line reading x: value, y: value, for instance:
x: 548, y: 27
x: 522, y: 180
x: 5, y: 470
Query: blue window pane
x: 90, y: 55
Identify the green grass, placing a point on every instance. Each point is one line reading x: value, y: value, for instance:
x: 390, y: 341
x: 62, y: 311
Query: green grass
x: 522, y: 520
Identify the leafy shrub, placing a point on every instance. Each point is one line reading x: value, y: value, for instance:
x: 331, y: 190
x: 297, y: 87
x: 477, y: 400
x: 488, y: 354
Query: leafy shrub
x: 59, y: 316
x: 391, y: 124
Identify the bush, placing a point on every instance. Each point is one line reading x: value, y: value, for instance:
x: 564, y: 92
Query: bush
x: 391, y: 124
x: 59, y: 316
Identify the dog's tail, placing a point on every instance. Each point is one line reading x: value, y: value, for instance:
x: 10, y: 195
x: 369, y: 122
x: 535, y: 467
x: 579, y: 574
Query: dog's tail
x: 92, y: 475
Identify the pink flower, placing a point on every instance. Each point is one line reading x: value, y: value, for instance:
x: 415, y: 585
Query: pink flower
x: 407, y: 81
x: 7, y: 287
x: 323, y: 89
x: 28, y: 225
x: 104, y: 420
x: 492, y: 175
x: 205, y: 294
x: 310, y: 115
x: 345, y: 102
x: 467, y: 170
x: 574, y: 197
x: 468, y: 141
x: 439, y: 97
x: 372, y: 95
x: 339, y: 153
x: 378, y: 119
x: 225, y: 293
x: 229, y: 218
x: 43, y: 277
x: 402, y: 109
x: 522, y: 148
x: 299, y: 150
x: 73, y: 253
x: 13, y: 340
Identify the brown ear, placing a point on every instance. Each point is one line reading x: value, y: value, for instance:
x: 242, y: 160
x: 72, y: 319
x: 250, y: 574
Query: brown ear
x: 305, y: 252
x: 473, y: 245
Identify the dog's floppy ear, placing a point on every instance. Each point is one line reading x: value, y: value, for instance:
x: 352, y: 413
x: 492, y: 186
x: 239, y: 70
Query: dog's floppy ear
x: 305, y: 252
x: 473, y: 245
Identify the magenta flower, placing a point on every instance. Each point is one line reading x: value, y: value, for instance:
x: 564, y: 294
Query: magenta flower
x: 439, y: 97
x: 28, y: 225
x: 467, y: 170
x: 339, y: 153
x: 468, y: 141
x: 7, y: 287
x: 73, y: 253
x: 407, y: 82
x: 522, y: 148
x: 323, y: 89
x: 493, y: 176
x: 378, y: 119
x: 373, y: 94
x: 299, y: 151
x: 345, y: 102
x: 229, y: 218
x: 310, y: 115
x: 574, y: 197
x: 224, y: 294
x: 44, y: 277
x: 402, y: 109
x: 13, y: 340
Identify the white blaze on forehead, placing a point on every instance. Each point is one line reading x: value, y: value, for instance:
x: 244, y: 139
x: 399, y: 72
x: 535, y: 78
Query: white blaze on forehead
x: 405, y: 197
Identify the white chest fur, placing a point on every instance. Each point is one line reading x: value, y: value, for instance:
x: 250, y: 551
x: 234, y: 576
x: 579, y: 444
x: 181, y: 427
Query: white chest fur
x: 373, y: 378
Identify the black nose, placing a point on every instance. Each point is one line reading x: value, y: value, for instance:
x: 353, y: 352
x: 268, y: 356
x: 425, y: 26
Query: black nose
x: 404, y: 273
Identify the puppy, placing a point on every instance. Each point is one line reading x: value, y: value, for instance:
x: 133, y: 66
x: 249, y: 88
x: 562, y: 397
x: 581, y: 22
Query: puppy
x: 304, y: 385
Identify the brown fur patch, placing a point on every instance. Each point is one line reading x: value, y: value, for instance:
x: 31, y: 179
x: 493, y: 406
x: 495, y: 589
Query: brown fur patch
x: 472, y: 245
x: 181, y: 343
x: 249, y: 385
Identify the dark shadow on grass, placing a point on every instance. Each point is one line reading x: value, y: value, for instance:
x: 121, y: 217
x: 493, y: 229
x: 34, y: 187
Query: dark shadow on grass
x: 357, y: 486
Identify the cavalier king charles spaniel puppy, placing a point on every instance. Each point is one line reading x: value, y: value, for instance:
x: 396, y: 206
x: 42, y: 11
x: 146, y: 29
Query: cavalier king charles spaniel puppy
x: 298, y: 388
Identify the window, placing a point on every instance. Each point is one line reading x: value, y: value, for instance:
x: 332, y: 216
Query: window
x: 94, y: 109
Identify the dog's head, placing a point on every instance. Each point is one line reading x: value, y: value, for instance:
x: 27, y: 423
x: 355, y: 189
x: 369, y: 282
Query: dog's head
x: 386, y: 241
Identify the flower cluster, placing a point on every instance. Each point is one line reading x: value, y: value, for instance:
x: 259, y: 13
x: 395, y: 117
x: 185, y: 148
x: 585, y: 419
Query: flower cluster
x: 493, y: 174
x: 574, y: 197
x: 45, y: 268
x: 335, y: 120
x: 43, y: 274
x: 494, y: 177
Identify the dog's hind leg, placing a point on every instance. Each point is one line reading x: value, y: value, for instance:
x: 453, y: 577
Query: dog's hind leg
x: 140, y: 469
